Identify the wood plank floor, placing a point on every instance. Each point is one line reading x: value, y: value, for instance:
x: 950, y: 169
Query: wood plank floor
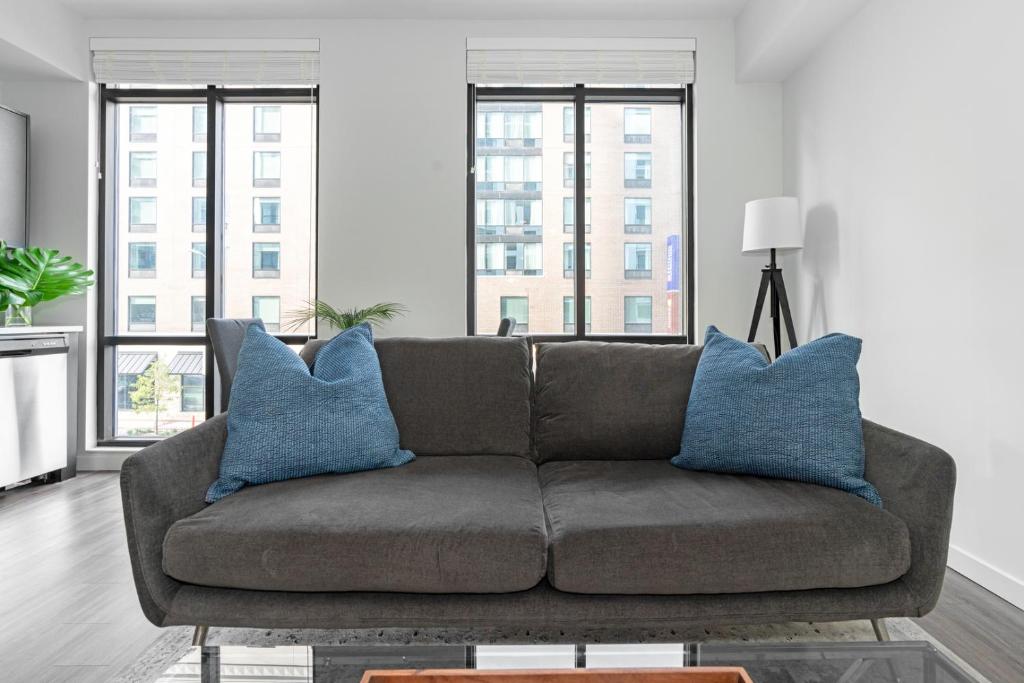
x: 68, y: 610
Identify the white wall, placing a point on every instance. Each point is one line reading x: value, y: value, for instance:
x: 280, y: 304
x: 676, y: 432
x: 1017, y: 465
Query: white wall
x: 904, y: 138
x: 392, y: 157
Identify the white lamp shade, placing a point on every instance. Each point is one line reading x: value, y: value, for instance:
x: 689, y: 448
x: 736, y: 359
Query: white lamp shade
x: 772, y: 223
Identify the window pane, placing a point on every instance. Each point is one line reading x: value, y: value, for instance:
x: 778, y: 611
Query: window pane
x: 198, y: 169
x: 157, y: 275
x: 569, y: 314
x: 198, y: 313
x: 518, y: 213
x: 199, y: 123
x: 198, y: 260
x: 637, y: 257
x: 269, y: 278
x: 160, y: 390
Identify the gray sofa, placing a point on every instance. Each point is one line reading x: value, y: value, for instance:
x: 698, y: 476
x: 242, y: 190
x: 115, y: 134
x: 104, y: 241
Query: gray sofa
x: 541, y: 497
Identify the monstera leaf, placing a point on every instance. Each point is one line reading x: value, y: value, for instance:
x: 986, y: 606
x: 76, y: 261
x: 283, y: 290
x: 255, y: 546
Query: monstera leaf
x: 32, y: 275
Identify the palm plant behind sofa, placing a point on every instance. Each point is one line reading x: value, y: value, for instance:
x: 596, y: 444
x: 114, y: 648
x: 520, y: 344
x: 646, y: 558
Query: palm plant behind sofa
x: 339, y: 319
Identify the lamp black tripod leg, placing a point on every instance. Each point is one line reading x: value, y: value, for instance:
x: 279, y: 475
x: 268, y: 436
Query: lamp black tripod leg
x: 759, y: 305
x: 780, y: 289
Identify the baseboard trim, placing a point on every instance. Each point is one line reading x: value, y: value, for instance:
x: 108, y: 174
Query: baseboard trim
x: 102, y: 460
x: 997, y: 581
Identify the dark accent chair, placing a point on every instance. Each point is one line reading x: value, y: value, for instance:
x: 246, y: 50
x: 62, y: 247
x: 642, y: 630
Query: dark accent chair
x: 226, y: 336
x: 507, y: 327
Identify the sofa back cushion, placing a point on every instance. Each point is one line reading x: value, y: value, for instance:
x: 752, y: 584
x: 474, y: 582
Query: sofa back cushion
x: 459, y: 396
x: 611, y: 401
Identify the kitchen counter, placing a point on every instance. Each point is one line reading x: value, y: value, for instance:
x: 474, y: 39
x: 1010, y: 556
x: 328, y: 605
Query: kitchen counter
x: 38, y: 329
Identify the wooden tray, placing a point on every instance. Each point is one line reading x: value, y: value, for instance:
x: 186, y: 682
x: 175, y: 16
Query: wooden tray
x: 697, y: 674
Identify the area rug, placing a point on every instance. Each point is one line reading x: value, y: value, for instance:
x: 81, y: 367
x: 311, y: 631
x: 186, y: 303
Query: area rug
x: 173, y: 644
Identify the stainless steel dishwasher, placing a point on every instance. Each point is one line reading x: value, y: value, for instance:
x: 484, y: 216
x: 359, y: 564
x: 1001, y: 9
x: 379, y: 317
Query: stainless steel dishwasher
x: 33, y: 407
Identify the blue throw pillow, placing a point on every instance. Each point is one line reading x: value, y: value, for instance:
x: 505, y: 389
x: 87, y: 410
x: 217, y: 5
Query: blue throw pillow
x: 284, y: 422
x: 797, y: 418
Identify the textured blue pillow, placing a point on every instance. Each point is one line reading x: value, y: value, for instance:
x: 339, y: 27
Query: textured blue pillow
x: 797, y: 418
x: 285, y: 423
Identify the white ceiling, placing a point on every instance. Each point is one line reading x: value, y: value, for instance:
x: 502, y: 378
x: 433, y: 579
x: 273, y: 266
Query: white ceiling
x: 406, y: 9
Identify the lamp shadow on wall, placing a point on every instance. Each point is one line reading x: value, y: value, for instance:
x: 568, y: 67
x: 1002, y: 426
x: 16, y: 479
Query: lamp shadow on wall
x: 820, y: 263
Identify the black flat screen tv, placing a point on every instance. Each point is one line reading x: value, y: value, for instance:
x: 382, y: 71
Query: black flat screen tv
x: 13, y: 177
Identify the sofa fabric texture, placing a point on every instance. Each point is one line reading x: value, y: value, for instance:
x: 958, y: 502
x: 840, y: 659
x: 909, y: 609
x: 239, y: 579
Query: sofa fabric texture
x: 646, y: 527
x: 611, y: 401
x: 441, y: 524
x: 284, y: 422
x: 462, y: 396
x: 797, y: 418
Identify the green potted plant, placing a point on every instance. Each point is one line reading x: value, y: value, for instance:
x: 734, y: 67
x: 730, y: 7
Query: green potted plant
x: 343, y: 319
x: 31, y: 275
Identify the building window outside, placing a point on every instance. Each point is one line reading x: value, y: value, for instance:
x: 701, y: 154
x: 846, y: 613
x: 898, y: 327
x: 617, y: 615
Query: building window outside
x: 266, y: 214
x: 268, y: 309
x: 569, y: 211
x: 569, y: 123
x: 638, y: 318
x: 266, y: 124
x: 569, y: 259
x: 199, y: 214
x: 266, y: 169
x: 199, y: 123
x: 266, y: 259
x: 198, y: 169
x: 142, y: 122
x: 569, y: 169
x: 509, y: 216
x: 638, y: 169
x: 142, y: 169
x: 125, y: 388
x: 198, y: 310
x: 637, y: 125
x: 517, y: 307
x: 142, y: 259
x: 638, y: 215
x: 193, y: 393
x: 638, y: 260
x: 569, y: 314
x: 142, y: 214
x: 511, y: 173
x: 141, y: 313
x: 198, y: 259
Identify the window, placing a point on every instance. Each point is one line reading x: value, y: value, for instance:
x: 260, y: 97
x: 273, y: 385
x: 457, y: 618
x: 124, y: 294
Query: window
x: 638, y: 260
x: 569, y: 314
x: 569, y: 122
x: 199, y: 214
x: 626, y: 254
x: 569, y: 209
x: 198, y: 169
x: 141, y: 313
x: 199, y: 313
x: 266, y: 259
x: 266, y: 124
x: 266, y: 214
x: 517, y: 307
x: 638, y: 215
x: 142, y: 214
x: 268, y: 309
x: 638, y: 315
x: 569, y: 169
x: 199, y: 123
x: 142, y: 169
x: 637, y: 125
x: 151, y: 350
x: 142, y: 124
x: 521, y: 127
x: 199, y: 259
x: 569, y: 260
x: 142, y: 259
x: 266, y: 169
x: 638, y: 169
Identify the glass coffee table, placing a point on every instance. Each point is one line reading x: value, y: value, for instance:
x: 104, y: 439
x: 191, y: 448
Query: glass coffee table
x: 887, y: 662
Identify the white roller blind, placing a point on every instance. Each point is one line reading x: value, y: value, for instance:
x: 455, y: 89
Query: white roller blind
x: 563, y: 61
x: 231, y: 62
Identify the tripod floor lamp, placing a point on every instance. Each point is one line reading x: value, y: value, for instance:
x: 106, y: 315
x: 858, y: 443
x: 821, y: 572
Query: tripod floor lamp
x: 770, y: 225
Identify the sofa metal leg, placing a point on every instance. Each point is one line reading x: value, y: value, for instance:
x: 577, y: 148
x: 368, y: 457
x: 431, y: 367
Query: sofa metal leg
x: 881, y: 632
x: 199, y: 636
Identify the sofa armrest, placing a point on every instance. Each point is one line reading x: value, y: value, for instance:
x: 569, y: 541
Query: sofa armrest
x: 161, y: 484
x: 916, y: 481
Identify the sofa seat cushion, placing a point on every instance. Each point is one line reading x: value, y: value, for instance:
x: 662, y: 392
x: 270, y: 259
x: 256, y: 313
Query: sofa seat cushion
x: 646, y: 527
x: 441, y: 524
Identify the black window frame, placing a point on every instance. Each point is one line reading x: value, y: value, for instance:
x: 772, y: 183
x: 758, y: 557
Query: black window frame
x: 579, y: 96
x: 214, y: 98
